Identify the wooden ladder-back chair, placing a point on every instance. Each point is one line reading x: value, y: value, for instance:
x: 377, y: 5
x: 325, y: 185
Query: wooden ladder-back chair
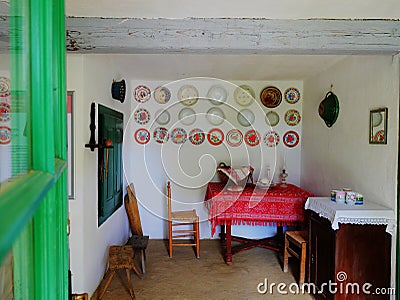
x: 138, y: 240
x: 182, y: 218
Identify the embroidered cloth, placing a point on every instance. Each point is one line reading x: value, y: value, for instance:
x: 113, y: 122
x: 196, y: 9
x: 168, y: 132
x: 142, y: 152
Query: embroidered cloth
x: 253, y: 206
x: 367, y: 213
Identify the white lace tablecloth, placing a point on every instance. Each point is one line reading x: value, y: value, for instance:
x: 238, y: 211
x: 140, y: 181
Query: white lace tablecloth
x: 367, y: 213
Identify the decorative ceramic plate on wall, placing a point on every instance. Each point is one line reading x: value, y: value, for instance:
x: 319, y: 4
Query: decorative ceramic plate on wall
x: 4, y: 86
x: 142, y: 116
x: 142, y: 136
x: 292, y: 117
x: 162, y: 94
x: 188, y: 95
x: 217, y: 94
x: 163, y: 117
x: 252, y: 138
x: 142, y: 93
x: 178, y: 136
x: 5, y: 110
x: 161, y: 135
x: 5, y: 135
x: 245, y: 117
x: 187, y: 116
x: 244, y: 95
x: 379, y: 136
x: 291, y: 139
x: 215, y: 116
x: 197, y: 136
x: 272, y: 118
x: 271, y: 97
x: 292, y: 95
x: 215, y: 136
x: 271, y: 139
x: 234, y: 137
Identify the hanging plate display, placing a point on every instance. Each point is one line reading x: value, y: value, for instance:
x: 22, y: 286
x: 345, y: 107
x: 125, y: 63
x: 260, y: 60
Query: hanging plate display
x: 188, y: 95
x: 379, y: 136
x: 162, y: 94
x: 197, y: 136
x: 142, y: 116
x: 142, y: 136
x: 5, y: 110
x: 178, y: 136
x: 271, y: 97
x: 292, y: 95
x: 215, y: 136
x: 271, y: 138
x: 215, y: 116
x: 217, y: 94
x: 272, y: 118
x: 161, y: 135
x: 244, y: 95
x: 234, y: 137
x: 5, y: 135
x: 292, y: 117
x: 142, y: 93
x: 4, y: 86
x: 252, y: 138
x: 163, y: 117
x: 291, y: 139
x: 187, y: 116
x: 245, y: 117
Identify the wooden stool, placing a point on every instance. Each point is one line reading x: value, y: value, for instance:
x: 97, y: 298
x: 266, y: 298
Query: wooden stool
x: 120, y: 257
x: 296, y: 245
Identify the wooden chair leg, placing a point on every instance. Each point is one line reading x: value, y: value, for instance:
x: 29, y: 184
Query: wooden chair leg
x: 303, y: 263
x: 197, y: 237
x: 128, y: 277
x: 170, y: 237
x: 286, y: 256
x: 107, y: 283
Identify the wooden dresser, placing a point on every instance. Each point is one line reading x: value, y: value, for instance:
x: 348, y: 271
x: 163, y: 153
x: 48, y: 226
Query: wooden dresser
x: 349, y: 250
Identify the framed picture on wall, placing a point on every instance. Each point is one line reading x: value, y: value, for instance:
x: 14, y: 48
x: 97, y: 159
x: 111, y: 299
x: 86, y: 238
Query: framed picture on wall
x: 70, y: 146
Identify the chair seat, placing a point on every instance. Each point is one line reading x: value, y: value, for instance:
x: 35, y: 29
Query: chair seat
x: 188, y: 216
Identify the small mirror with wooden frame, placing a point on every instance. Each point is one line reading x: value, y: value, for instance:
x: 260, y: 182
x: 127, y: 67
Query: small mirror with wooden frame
x: 378, y: 126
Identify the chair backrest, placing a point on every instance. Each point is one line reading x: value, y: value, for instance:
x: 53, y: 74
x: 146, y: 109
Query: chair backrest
x: 169, y: 200
x: 132, y: 211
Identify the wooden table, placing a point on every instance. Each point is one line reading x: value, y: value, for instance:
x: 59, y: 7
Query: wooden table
x: 278, y: 206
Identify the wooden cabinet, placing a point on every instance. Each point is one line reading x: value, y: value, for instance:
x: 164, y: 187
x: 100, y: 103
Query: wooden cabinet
x: 350, y: 257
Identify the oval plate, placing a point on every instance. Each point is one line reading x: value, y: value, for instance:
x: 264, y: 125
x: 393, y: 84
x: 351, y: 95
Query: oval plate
x: 215, y: 136
x: 271, y: 97
x: 291, y: 139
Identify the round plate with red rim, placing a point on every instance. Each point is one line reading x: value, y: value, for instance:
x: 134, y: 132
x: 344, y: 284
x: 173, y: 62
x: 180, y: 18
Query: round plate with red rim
x: 142, y: 93
x: 178, y: 136
x: 379, y: 136
x: 142, y: 136
x: 161, y: 135
x: 234, y: 137
x: 5, y: 135
x: 5, y: 110
x: 292, y: 117
x: 252, y: 138
x: 292, y: 95
x: 291, y: 139
x: 215, y: 136
x: 142, y: 116
x: 197, y: 136
x: 271, y: 139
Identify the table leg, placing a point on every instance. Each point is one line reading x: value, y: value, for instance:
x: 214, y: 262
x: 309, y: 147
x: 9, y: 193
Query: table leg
x: 228, y: 249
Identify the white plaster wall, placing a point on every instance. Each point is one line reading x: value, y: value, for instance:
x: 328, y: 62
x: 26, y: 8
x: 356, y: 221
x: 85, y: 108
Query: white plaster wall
x: 90, y: 78
x: 191, y: 167
x: 341, y: 156
x: 283, y: 9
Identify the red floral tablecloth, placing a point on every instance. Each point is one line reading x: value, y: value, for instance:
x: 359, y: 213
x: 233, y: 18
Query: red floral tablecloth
x: 276, y: 206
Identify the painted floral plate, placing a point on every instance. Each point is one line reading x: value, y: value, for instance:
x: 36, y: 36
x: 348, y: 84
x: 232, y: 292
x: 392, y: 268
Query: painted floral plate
x: 178, y: 136
x: 271, y: 139
x: 291, y: 139
x: 142, y: 93
x: 292, y: 95
x: 142, y: 136
x: 142, y: 116
x: 161, y: 135
x: 234, y: 137
x: 252, y: 138
x: 215, y: 136
x: 292, y: 117
x: 197, y: 136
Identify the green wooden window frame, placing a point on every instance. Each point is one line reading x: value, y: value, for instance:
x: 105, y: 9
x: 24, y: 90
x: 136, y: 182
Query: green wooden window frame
x: 33, y: 207
x: 110, y: 162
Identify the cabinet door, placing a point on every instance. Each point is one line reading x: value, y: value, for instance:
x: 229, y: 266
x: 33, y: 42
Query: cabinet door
x: 321, y: 256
